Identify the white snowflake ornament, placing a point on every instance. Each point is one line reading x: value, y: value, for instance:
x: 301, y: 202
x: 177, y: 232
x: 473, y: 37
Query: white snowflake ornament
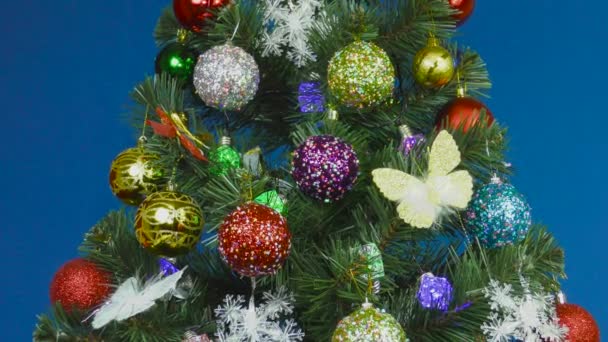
x: 239, y: 323
x: 529, y: 318
x: 288, y: 24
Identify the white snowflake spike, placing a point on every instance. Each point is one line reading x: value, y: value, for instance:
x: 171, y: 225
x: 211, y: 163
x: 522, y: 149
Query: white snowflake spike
x: 530, y: 318
x: 239, y: 323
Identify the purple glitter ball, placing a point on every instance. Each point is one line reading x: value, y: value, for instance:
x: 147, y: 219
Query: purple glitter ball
x: 409, y: 142
x: 434, y: 292
x: 325, y: 167
x: 310, y: 97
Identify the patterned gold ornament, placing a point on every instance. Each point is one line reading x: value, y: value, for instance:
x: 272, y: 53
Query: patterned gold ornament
x: 169, y: 223
x: 133, y: 177
x: 433, y: 65
x: 361, y: 75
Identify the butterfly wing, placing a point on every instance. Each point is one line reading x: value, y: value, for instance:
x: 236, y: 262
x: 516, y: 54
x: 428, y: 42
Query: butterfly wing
x: 417, y: 206
x: 160, y: 288
x: 119, y: 301
x: 445, y: 155
x: 454, y: 190
x: 392, y: 183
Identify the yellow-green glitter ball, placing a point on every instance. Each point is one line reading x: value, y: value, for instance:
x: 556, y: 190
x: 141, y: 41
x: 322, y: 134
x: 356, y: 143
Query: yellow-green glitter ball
x: 369, y: 324
x: 224, y: 158
x: 361, y: 75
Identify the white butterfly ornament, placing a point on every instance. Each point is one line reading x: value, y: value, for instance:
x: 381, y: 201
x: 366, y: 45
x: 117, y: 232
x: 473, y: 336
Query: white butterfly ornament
x: 130, y: 300
x: 422, y: 202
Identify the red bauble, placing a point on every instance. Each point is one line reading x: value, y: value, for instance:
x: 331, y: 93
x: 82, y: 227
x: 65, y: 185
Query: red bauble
x: 463, y: 111
x: 465, y: 7
x: 192, y: 14
x: 80, y: 284
x: 581, y: 325
x: 254, y: 240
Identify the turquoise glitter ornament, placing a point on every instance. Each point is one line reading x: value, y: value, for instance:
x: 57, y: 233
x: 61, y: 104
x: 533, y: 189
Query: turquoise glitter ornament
x: 369, y: 324
x: 498, y: 215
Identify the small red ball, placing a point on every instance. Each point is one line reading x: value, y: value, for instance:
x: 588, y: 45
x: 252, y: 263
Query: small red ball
x: 581, y: 325
x: 192, y: 14
x: 463, y: 111
x: 254, y: 240
x: 465, y: 7
x: 80, y: 284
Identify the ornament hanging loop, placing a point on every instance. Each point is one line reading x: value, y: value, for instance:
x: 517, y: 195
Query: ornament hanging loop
x: 238, y: 23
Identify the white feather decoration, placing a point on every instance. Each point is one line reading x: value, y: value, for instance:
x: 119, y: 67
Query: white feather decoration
x: 130, y: 299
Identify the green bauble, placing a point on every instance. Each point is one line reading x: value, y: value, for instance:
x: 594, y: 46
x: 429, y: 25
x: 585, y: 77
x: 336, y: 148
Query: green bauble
x: 224, y: 158
x: 177, y: 60
x: 369, y: 324
x: 361, y: 75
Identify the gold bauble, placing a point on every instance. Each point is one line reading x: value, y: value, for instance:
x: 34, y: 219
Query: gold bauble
x: 169, y: 223
x: 133, y: 177
x: 433, y: 65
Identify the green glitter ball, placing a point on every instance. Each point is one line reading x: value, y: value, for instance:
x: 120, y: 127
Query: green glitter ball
x: 361, y: 75
x: 369, y: 324
x: 498, y: 215
x: 224, y: 158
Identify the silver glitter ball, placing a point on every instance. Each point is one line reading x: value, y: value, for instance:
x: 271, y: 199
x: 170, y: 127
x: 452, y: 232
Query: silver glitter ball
x: 226, y: 77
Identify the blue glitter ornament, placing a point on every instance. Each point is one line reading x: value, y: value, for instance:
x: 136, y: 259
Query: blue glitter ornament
x: 434, y: 292
x: 166, y: 267
x: 498, y: 215
x: 409, y: 140
x: 310, y: 97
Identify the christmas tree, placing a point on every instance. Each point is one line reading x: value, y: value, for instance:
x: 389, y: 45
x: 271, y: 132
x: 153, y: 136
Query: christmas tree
x: 314, y: 170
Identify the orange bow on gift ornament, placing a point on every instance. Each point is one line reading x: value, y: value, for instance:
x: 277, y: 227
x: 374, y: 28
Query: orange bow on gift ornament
x: 172, y: 126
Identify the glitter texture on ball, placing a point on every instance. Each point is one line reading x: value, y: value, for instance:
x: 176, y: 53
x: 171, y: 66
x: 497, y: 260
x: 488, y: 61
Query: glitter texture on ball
x: 325, y: 167
x: 368, y: 324
x: 361, y: 75
x: 80, y: 284
x: 254, y: 240
x: 226, y: 77
x: 582, y: 327
x: 498, y: 215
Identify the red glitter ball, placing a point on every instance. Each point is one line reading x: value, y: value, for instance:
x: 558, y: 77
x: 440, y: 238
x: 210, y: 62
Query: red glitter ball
x: 192, y: 14
x: 465, y: 7
x: 80, y: 284
x: 581, y: 325
x: 254, y: 240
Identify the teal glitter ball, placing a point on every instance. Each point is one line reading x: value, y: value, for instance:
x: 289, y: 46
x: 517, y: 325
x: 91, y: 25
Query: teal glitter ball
x: 498, y: 215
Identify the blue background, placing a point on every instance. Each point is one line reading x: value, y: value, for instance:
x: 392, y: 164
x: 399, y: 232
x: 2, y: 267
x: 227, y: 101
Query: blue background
x: 67, y: 67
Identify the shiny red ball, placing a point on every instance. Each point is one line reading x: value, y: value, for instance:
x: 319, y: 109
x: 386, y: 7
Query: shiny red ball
x: 80, y: 284
x: 254, y: 240
x: 463, y: 112
x: 465, y: 7
x: 192, y: 14
x: 581, y: 325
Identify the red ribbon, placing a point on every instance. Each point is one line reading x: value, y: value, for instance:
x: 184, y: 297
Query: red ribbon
x: 168, y: 129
